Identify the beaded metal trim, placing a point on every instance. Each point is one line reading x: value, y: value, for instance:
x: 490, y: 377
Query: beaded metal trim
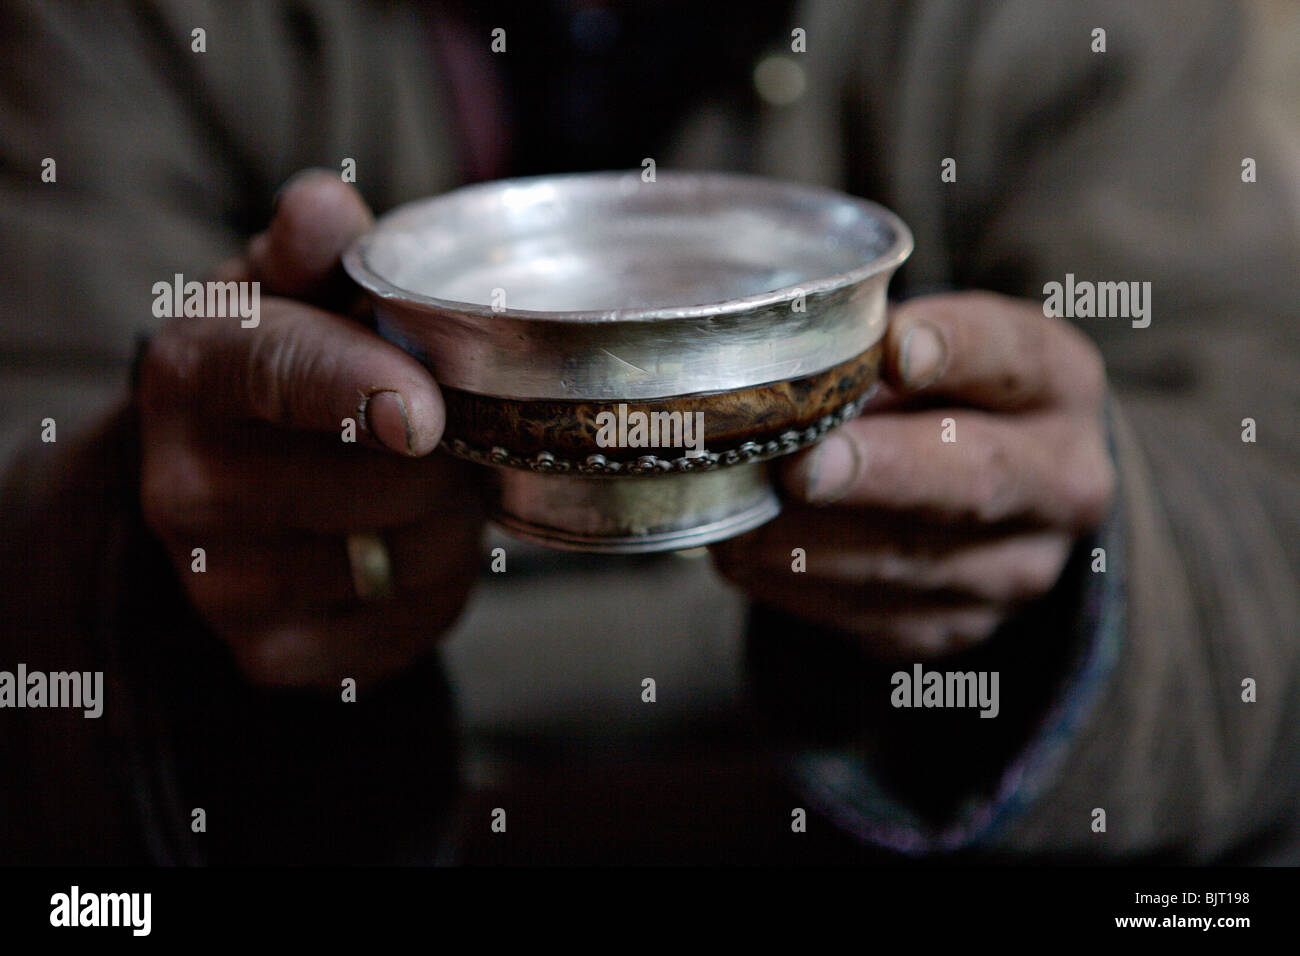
x: 747, y: 453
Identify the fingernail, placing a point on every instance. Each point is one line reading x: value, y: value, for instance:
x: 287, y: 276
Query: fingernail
x: 830, y: 471
x: 383, y: 414
x: 923, y: 355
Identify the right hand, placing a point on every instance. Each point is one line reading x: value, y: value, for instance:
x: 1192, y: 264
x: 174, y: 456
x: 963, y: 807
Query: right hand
x: 243, y: 456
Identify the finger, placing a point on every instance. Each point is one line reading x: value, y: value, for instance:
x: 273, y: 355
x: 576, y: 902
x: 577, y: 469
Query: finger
x: 250, y: 583
x: 267, y: 479
x: 289, y: 613
x: 1004, y: 570
x: 923, y: 630
x: 834, y: 530
x: 234, y: 269
x: 300, y: 367
x: 316, y: 218
x: 369, y: 643
x: 1049, y: 469
x: 991, y: 351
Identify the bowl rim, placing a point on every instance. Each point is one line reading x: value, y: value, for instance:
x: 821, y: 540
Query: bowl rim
x: 356, y: 265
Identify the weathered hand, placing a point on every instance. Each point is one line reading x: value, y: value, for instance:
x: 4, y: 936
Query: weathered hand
x: 243, y: 456
x: 921, y: 546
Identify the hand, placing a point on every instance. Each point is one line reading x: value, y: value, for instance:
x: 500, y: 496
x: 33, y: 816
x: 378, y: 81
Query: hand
x: 920, y: 546
x: 243, y: 456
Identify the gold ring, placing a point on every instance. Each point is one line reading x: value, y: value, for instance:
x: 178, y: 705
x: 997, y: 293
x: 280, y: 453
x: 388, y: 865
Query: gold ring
x: 372, y: 567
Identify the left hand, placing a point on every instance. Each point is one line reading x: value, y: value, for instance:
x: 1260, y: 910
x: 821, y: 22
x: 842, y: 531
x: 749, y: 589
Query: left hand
x: 921, y: 546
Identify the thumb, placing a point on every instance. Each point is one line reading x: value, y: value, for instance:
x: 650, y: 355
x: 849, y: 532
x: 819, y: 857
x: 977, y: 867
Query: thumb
x: 316, y: 218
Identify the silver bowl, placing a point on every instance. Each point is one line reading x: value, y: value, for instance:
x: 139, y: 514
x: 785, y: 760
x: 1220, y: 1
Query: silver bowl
x: 551, y: 309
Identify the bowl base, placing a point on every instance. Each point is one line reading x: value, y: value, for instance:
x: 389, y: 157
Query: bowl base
x: 640, y: 515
